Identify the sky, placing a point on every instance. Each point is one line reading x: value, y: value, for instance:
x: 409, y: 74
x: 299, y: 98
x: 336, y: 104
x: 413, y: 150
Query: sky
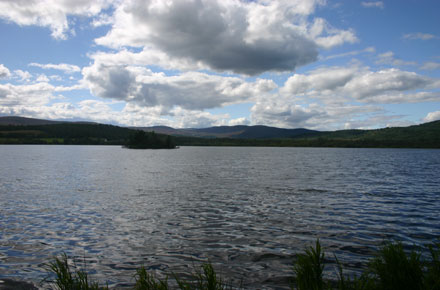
x: 316, y: 64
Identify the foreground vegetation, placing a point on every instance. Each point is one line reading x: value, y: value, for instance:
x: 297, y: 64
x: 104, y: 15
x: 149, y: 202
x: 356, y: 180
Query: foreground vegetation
x: 391, y: 269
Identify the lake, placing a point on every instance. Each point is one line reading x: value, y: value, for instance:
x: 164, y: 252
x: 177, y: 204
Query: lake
x: 248, y: 210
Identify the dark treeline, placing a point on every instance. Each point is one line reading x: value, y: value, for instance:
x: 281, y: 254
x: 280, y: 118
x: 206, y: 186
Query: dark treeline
x: 310, y: 142
x: 421, y: 136
x: 147, y: 140
x: 65, y: 133
x: 83, y: 134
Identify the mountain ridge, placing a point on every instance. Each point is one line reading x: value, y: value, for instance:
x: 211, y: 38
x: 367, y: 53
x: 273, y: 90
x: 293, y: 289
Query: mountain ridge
x: 238, y: 131
x: 14, y: 130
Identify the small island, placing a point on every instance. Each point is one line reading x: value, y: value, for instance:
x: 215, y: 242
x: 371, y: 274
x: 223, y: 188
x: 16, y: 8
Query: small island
x: 150, y: 140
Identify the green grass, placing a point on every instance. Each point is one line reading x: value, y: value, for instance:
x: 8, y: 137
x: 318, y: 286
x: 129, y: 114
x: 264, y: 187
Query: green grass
x: 309, y: 268
x: 392, y: 268
x: 67, y: 278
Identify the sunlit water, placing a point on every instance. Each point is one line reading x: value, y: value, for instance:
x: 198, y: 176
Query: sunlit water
x: 247, y: 210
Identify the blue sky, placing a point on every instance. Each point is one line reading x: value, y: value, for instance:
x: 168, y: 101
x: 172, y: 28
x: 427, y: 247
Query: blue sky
x: 291, y: 63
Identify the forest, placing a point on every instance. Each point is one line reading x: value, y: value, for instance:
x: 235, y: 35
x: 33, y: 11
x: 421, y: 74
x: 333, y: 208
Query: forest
x: 425, y: 135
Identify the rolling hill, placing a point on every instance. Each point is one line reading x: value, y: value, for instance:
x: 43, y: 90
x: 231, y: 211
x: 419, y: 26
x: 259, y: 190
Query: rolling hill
x: 18, y: 130
x: 239, y: 132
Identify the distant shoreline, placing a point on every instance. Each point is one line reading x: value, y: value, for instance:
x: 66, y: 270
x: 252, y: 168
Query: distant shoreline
x: 425, y: 135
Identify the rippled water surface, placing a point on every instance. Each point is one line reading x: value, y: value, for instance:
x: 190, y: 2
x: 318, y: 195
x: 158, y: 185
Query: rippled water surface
x: 249, y: 210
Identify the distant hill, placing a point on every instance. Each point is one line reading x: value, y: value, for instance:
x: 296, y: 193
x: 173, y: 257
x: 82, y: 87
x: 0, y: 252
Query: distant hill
x: 17, y: 130
x: 22, y: 121
x: 239, y: 132
x: 419, y: 136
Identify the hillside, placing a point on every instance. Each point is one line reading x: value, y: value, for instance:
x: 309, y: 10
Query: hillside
x: 22, y: 121
x: 419, y: 136
x: 80, y: 133
x: 240, y: 132
x: 34, y: 131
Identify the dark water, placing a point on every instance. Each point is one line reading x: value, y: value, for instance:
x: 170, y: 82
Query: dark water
x: 249, y: 210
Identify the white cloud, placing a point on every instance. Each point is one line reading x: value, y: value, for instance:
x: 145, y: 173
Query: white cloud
x: 4, y: 72
x: 238, y: 121
x: 373, y: 4
x: 102, y: 20
x: 27, y: 95
x: 238, y: 36
x: 23, y: 75
x: 342, y: 84
x: 55, y: 78
x: 67, y: 68
x: 419, y: 36
x: 189, y: 90
x: 388, y: 58
x: 286, y: 115
x: 32, y: 95
x: 146, y: 57
x: 42, y: 78
x: 431, y: 65
x: 432, y: 116
x: 52, y: 14
x: 328, y: 37
x: 286, y: 112
x: 319, y: 81
x: 90, y: 110
x: 369, y: 49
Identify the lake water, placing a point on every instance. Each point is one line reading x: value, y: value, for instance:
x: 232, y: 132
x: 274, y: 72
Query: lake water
x: 247, y: 210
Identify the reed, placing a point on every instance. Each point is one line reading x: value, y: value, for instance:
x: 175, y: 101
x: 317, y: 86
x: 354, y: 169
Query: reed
x: 67, y: 278
x: 391, y: 268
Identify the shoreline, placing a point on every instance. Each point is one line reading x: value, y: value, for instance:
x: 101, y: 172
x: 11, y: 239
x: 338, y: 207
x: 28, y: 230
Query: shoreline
x: 11, y: 284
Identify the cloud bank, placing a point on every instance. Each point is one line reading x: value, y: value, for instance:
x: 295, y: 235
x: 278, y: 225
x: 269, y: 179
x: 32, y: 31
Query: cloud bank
x: 237, y: 36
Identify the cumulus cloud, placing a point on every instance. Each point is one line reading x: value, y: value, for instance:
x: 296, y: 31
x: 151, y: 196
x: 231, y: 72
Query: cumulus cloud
x: 35, y: 95
x: 288, y: 112
x: 4, y: 72
x: 90, y: 110
x: 336, y: 84
x: 373, y: 4
x: 328, y: 37
x: 189, y: 90
x: 42, y: 78
x: 102, y: 20
x: 23, y: 75
x: 432, y: 116
x: 146, y: 57
x: 40, y: 100
x: 67, y: 68
x: 419, y: 36
x: 238, y: 36
x: 286, y: 115
x: 52, y: 14
x: 32, y: 95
